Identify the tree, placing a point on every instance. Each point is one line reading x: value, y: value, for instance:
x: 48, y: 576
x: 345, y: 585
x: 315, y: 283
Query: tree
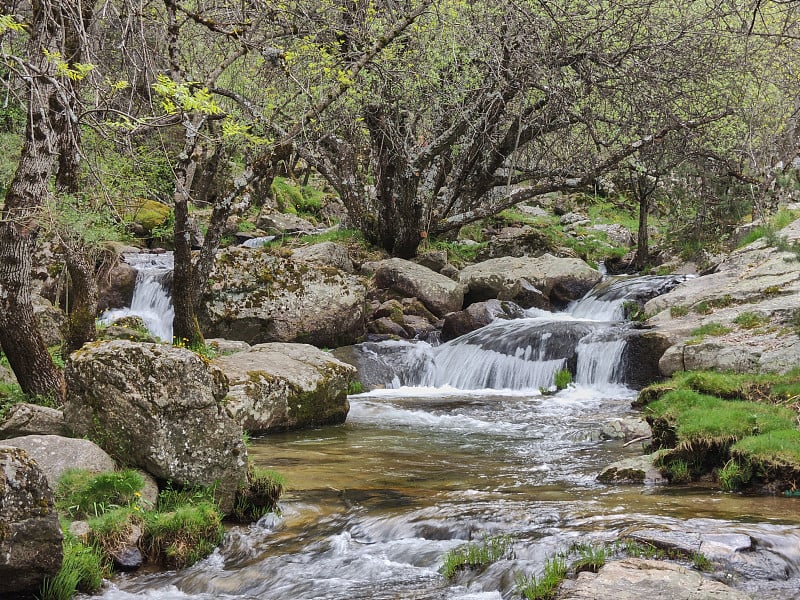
x: 485, y: 106
x: 39, y: 69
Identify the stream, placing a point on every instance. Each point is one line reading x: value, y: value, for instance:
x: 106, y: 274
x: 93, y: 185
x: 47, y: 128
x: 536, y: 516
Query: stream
x: 461, y: 445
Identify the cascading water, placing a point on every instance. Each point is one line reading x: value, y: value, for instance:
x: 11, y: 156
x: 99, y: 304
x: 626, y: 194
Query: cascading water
x: 151, y: 300
x: 375, y: 504
x: 588, y: 340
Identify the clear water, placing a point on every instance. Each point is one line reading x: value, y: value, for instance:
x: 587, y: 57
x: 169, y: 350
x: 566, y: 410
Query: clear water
x: 373, y: 505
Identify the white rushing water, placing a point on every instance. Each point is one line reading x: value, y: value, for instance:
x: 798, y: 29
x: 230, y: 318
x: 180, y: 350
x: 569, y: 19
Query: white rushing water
x: 151, y: 300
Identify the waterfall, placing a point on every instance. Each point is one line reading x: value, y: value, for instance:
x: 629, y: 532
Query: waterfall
x: 588, y: 339
x: 151, y: 300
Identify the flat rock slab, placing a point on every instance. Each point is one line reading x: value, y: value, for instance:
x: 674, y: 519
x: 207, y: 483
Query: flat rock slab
x: 636, y: 470
x: 735, y: 553
x: 638, y: 579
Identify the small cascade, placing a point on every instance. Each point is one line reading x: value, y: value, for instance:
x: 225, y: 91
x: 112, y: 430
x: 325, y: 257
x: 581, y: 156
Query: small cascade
x: 257, y: 242
x: 607, y: 301
x: 589, y: 340
x: 152, y: 301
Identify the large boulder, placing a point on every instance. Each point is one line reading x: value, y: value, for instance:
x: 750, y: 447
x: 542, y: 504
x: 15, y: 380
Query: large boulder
x: 32, y: 419
x: 635, y: 578
x: 160, y: 408
x: 326, y: 253
x: 115, y: 287
x: 753, y: 294
x: 56, y: 454
x: 257, y: 297
x: 438, y: 293
x: 274, y: 387
x: 30, y: 534
x: 561, y: 280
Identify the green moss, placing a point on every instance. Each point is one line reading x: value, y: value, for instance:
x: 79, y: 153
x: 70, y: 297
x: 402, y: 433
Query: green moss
x: 149, y: 214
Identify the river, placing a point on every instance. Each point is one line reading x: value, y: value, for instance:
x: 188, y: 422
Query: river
x: 373, y: 505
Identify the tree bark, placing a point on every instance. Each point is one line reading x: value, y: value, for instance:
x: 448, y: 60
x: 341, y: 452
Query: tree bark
x: 19, y: 334
x: 642, y: 244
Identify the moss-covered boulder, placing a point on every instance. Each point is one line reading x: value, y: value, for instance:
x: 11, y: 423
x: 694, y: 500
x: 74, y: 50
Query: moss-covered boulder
x: 148, y: 214
x: 258, y: 297
x: 274, y: 387
x: 30, y: 534
x: 160, y: 408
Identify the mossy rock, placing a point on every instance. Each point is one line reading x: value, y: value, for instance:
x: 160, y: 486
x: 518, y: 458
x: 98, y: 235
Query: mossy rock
x: 149, y: 214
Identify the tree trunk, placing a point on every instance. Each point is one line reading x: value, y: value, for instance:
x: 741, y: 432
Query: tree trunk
x: 19, y: 333
x: 642, y: 249
x: 81, y: 321
x: 185, y: 328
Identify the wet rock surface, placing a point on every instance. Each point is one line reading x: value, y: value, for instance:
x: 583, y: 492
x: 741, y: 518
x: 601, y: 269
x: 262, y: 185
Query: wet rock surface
x: 635, y: 579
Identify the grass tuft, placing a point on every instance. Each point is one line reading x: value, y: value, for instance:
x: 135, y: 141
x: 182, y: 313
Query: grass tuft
x: 475, y: 555
x: 543, y: 587
x: 82, y: 569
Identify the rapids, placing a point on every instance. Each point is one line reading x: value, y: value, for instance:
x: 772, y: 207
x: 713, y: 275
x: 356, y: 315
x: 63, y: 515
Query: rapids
x: 442, y: 458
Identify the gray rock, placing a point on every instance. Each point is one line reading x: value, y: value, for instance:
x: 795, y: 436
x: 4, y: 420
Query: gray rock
x: 257, y: 297
x: 223, y: 346
x: 525, y: 295
x: 387, y: 326
x: 160, y: 408
x: 478, y: 315
x: 417, y: 327
x: 326, y: 253
x: 517, y: 242
x: 115, y: 287
x: 729, y: 551
x: 55, y: 454
x: 50, y: 320
x: 635, y: 470
x: 618, y: 235
x: 572, y: 218
x: 438, y: 293
x: 435, y: 260
x: 30, y: 534
x: 629, y: 428
x: 561, y: 280
x: 283, y: 223
x: 634, y: 579
x: 275, y: 387
x: 32, y: 419
x: 532, y: 211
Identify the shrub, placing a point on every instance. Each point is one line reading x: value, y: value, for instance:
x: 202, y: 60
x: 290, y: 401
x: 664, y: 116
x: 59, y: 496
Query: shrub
x: 475, y: 555
x: 82, y: 569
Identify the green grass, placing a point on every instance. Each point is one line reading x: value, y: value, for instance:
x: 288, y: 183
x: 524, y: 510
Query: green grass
x: 734, y: 474
x: 180, y: 537
x: 83, y: 569
x: 562, y: 379
x: 743, y: 428
x: 751, y: 320
x: 697, y: 416
x: 80, y: 493
x: 678, y: 311
x: 111, y: 529
x: 260, y: 496
x: 776, y: 447
x: 710, y: 329
x: 543, y: 587
x: 475, y: 555
x: 591, y: 557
